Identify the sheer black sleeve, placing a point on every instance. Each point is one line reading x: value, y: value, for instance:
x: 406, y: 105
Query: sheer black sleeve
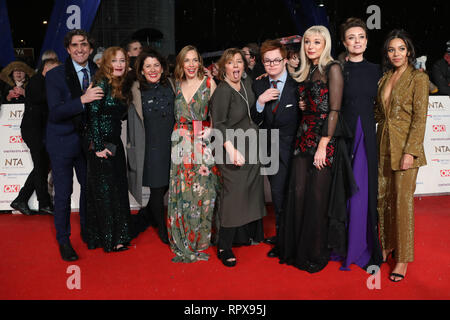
x: 335, y: 92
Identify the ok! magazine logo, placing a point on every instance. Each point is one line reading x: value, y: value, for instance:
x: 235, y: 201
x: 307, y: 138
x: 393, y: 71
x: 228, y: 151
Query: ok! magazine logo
x: 15, y: 139
x: 439, y: 128
x: 11, y: 188
x: 445, y: 173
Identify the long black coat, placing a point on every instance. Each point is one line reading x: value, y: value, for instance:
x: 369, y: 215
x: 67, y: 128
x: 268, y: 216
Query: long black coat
x: 35, y: 116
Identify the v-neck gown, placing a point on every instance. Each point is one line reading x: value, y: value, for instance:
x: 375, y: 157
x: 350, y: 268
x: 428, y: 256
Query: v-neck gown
x: 194, y: 180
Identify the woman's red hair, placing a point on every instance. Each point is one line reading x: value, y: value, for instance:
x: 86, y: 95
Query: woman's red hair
x: 106, y: 71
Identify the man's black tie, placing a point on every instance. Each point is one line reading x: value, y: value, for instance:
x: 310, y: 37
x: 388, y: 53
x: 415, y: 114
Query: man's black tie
x: 85, y: 84
x: 276, y: 104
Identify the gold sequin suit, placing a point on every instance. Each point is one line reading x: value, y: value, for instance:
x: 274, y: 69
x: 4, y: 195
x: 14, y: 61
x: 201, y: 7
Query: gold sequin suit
x: 401, y: 130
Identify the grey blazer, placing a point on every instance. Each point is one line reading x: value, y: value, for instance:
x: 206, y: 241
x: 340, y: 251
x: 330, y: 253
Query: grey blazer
x: 135, y: 144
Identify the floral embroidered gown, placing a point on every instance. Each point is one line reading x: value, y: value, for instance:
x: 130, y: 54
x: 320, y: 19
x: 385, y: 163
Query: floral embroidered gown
x: 194, y: 180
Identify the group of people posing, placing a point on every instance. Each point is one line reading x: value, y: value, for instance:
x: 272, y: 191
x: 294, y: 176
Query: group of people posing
x: 343, y: 189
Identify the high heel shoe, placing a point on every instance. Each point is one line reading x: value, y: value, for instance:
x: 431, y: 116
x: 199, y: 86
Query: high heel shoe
x: 397, y: 275
x: 226, y: 257
x: 121, y: 248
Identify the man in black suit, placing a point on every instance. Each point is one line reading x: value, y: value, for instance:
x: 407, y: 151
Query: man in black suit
x: 254, y: 66
x: 68, y: 90
x: 33, y: 127
x: 277, y: 108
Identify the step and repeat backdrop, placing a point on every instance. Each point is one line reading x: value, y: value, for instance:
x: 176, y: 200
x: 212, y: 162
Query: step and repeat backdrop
x: 16, y: 163
x: 434, y: 178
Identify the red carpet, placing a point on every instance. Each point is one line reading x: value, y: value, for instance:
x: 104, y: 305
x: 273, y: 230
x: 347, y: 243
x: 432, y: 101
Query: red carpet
x: 31, y: 268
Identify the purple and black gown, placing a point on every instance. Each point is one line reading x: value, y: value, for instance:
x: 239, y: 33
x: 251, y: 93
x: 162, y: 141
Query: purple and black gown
x: 360, y: 91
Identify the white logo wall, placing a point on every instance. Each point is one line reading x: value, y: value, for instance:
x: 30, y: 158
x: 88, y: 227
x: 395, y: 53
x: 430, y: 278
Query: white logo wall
x: 15, y: 158
x: 16, y: 163
x: 435, y: 177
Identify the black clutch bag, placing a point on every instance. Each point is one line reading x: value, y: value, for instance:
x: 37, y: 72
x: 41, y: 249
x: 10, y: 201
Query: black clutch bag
x: 111, y: 147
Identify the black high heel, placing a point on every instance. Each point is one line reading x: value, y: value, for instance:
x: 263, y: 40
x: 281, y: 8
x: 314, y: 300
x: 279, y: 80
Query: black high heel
x: 397, y: 275
x: 119, y: 249
x: 225, y: 256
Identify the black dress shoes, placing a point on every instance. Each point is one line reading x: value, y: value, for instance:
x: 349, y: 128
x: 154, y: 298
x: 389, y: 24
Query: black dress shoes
x: 120, y: 247
x: 271, y: 240
x: 47, y: 210
x: 22, y: 207
x: 273, y: 253
x: 67, y: 252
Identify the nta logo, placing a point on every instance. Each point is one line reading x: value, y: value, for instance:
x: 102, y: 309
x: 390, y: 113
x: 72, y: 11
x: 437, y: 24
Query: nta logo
x: 15, y: 162
x: 441, y: 149
x: 16, y: 114
x: 436, y: 105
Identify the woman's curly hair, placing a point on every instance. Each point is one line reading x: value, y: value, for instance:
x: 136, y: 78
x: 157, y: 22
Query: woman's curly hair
x: 106, y: 71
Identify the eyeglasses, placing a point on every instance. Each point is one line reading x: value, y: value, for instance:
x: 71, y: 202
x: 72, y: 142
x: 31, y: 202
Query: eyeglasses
x: 275, y: 62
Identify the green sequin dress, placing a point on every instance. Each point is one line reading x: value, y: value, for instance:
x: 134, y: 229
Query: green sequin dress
x: 108, y: 207
x: 193, y: 181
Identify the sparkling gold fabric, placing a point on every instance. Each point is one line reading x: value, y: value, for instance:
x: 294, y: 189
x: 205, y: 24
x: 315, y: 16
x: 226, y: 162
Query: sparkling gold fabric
x: 396, y: 207
x: 401, y: 129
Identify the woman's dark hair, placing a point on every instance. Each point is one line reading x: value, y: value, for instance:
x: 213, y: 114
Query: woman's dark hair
x: 351, y: 23
x: 291, y: 51
x: 403, y: 35
x: 227, y: 56
x: 139, y: 65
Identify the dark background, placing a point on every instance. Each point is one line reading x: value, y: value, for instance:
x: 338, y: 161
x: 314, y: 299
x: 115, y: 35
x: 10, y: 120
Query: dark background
x: 214, y: 25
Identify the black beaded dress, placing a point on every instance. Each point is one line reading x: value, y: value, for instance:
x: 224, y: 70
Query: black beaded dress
x: 303, y: 240
x: 108, y: 207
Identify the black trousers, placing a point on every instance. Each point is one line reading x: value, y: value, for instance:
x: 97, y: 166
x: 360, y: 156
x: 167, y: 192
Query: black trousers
x: 278, y: 184
x: 37, y: 179
x: 153, y: 213
x: 155, y: 206
x: 62, y: 170
x: 242, y: 235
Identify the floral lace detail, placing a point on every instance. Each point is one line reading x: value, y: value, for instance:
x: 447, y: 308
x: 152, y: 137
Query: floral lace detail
x: 315, y: 95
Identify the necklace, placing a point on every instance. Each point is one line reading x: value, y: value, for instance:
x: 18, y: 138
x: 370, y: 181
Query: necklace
x: 311, y: 71
x: 245, y: 92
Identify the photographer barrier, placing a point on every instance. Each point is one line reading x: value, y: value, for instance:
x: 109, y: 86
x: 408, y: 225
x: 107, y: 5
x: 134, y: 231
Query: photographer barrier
x: 16, y: 163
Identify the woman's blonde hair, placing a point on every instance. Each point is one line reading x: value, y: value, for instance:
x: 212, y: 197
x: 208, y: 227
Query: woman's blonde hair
x: 325, y: 57
x: 179, y: 64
